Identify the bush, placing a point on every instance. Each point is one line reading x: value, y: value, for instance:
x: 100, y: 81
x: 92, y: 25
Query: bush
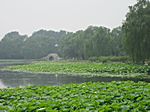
x: 103, y: 59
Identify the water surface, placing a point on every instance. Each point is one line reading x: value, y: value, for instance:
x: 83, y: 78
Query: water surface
x: 19, y: 79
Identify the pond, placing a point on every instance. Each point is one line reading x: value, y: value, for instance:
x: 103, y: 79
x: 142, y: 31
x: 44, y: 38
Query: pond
x: 19, y: 79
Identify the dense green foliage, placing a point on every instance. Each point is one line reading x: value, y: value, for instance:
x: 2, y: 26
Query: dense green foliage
x: 11, y: 45
x: 38, y: 45
x: 93, y: 42
x: 137, y: 30
x: 104, y: 59
x: 86, y: 97
x: 83, y: 68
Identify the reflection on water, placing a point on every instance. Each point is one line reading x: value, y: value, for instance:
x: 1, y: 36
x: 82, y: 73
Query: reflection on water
x: 17, y: 79
x: 2, y: 84
x: 4, y: 63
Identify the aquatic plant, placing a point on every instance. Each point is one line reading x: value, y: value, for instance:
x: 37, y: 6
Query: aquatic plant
x: 83, y: 68
x: 94, y: 97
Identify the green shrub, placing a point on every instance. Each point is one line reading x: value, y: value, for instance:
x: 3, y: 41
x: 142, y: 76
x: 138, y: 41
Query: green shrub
x: 103, y: 59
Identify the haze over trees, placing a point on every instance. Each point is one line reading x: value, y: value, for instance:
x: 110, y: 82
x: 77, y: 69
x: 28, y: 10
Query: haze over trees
x: 93, y: 42
x: 41, y: 43
x: 132, y: 38
x: 11, y: 46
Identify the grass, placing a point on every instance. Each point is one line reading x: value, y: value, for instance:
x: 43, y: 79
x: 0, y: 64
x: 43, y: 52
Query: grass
x: 85, y: 68
x: 87, y: 97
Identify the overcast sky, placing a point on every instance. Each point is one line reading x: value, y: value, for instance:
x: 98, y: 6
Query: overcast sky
x: 27, y: 16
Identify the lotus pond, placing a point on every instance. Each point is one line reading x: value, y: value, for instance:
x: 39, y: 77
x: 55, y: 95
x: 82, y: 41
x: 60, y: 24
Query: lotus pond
x: 87, y: 97
x: 86, y: 68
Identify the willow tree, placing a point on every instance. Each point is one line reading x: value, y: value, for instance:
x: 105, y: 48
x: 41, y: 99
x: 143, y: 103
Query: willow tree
x: 137, y: 31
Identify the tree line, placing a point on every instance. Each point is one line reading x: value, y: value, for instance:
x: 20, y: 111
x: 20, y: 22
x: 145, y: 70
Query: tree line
x: 132, y: 38
x: 93, y: 42
x: 38, y: 45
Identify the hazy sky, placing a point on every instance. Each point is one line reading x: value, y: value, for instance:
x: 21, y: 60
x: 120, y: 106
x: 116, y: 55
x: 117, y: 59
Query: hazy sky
x: 27, y: 16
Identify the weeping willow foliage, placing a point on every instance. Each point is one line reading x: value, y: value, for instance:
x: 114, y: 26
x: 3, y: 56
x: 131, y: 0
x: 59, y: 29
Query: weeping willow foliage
x: 137, y: 31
